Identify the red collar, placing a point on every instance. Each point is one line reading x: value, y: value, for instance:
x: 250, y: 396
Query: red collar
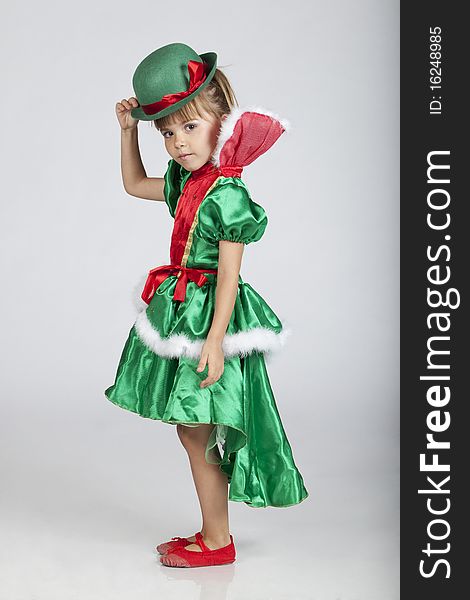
x: 210, y: 169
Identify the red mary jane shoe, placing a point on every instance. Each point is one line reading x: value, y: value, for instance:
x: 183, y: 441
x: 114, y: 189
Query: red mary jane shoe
x: 180, y: 557
x: 175, y: 542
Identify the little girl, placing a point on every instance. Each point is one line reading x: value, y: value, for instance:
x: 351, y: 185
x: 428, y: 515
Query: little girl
x: 195, y: 356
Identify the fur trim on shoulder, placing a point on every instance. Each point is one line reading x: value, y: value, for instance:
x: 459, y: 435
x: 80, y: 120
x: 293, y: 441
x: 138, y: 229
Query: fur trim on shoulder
x: 228, y: 126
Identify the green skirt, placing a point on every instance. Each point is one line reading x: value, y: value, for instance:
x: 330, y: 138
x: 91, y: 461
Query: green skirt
x: 254, y: 450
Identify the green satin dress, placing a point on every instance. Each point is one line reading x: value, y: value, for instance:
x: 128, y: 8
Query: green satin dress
x: 156, y: 376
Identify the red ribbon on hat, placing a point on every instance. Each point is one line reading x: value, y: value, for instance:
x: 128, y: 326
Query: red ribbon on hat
x: 197, y: 75
x: 159, y: 274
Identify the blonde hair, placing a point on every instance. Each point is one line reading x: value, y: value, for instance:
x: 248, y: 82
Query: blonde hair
x: 217, y: 99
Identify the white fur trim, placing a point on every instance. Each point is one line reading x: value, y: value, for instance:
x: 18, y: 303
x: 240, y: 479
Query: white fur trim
x: 228, y: 125
x: 259, y: 339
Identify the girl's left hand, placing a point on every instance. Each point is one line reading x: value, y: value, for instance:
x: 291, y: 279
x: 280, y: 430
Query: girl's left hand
x: 213, y: 355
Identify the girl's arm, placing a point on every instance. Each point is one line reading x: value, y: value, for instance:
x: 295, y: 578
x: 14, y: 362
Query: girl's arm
x: 230, y: 258
x: 134, y: 177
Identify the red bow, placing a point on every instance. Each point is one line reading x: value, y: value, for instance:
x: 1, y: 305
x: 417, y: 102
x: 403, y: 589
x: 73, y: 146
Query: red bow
x: 197, y: 75
x: 159, y: 274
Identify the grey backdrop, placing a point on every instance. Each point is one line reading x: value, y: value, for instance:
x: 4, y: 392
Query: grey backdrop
x: 87, y: 488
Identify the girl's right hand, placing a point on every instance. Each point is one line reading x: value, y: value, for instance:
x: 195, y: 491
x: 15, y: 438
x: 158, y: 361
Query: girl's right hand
x: 123, y: 113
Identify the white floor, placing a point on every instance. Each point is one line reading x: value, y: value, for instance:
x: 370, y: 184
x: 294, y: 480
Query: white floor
x: 83, y: 505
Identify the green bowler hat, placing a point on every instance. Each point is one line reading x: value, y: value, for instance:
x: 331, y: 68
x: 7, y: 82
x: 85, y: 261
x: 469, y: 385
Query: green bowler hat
x: 169, y: 78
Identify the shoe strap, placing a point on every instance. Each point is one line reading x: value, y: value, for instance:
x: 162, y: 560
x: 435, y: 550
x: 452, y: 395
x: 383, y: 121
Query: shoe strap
x: 200, y: 542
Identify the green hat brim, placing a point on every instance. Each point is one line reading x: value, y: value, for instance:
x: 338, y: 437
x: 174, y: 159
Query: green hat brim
x: 211, y: 59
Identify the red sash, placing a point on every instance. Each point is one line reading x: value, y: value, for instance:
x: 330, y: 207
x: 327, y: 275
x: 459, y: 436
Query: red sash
x: 194, y: 192
x: 159, y: 274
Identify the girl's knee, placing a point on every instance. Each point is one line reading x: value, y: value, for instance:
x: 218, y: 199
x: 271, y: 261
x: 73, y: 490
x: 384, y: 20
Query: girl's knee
x: 186, y: 434
x: 192, y: 437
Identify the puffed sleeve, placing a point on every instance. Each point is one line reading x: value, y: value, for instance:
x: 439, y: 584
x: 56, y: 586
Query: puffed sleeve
x: 228, y: 213
x: 175, y: 178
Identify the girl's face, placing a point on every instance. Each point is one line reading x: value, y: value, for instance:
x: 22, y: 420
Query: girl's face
x: 192, y: 143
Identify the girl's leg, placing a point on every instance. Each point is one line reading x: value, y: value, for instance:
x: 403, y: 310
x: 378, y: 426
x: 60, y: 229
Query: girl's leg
x: 211, y: 487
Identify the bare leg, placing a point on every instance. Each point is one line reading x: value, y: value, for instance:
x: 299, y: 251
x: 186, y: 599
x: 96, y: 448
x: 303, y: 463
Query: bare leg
x: 211, y: 487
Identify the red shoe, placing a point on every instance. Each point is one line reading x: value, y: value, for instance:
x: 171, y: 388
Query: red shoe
x: 180, y: 557
x: 173, y: 543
